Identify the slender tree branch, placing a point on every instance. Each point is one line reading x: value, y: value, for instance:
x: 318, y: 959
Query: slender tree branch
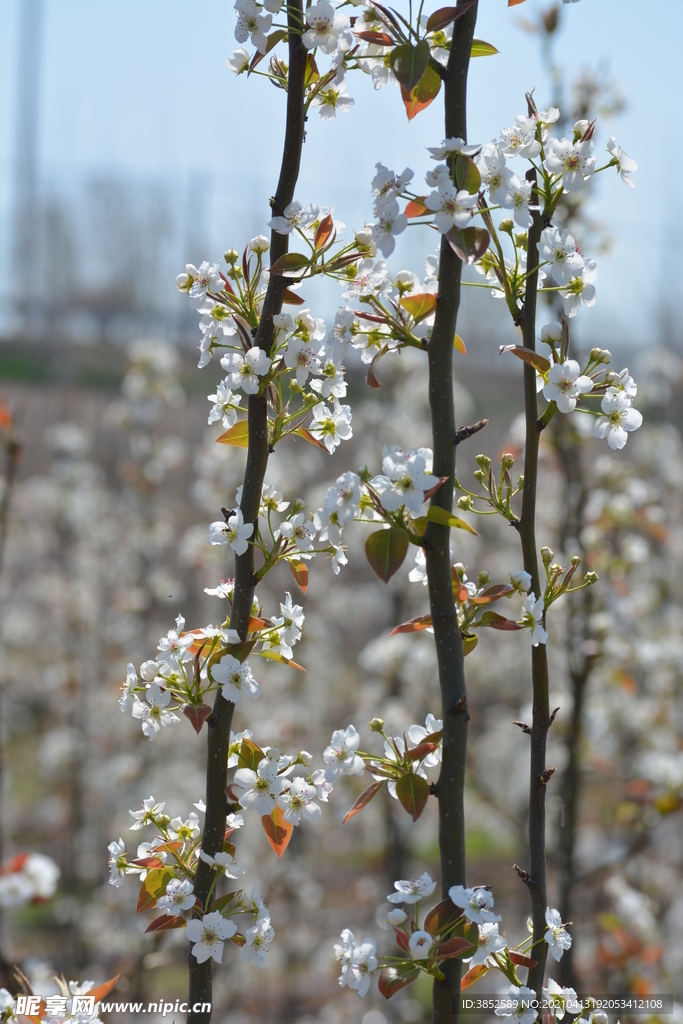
x: 448, y: 641
x: 536, y: 881
x: 220, y: 721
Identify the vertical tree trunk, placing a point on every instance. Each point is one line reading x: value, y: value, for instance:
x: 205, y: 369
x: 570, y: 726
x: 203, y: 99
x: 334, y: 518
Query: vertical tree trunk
x: 220, y: 721
x: 447, y: 638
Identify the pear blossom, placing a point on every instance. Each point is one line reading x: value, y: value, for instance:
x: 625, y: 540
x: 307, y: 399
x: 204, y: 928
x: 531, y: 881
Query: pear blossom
x: 325, y: 27
x: 551, y: 333
x: 622, y: 381
x: 298, y: 530
x: 301, y: 355
x: 259, y: 939
x: 519, y: 193
x: 520, y: 139
x: 362, y: 963
x: 418, y: 733
x: 179, y: 896
x: 396, y: 916
x: 390, y: 223
x: 572, y: 160
x: 294, y: 216
x: 147, y: 815
x: 152, y: 711
x: 330, y: 383
x: 418, y: 574
x: 332, y: 99
x: 239, y: 60
x: 581, y: 289
x: 566, y: 384
x: 387, y: 186
x: 234, y: 533
x: 405, y: 478
x: 371, y: 279
x: 420, y: 945
x: 520, y: 580
x: 251, y: 22
x: 561, y: 999
x: 519, y: 1004
x: 344, y: 497
x: 491, y: 166
x: 476, y: 903
x: 298, y: 802
x: 559, y: 249
x: 488, y: 942
x: 532, y: 616
x: 618, y: 418
x: 343, y: 952
x: 208, y: 936
x: 341, y: 754
x: 557, y: 936
x: 224, y: 861
x: 452, y: 208
x: 174, y: 648
x: 129, y: 685
x: 245, y: 370
x: 205, y: 278
x: 259, y: 789
x: 293, y: 615
x: 412, y: 890
x: 322, y: 786
x: 625, y: 165
x: 225, y: 405
x: 259, y: 244
x: 331, y: 426
x: 234, y: 746
x: 117, y: 862
x: 451, y: 147
x: 235, y: 678
x: 186, y: 831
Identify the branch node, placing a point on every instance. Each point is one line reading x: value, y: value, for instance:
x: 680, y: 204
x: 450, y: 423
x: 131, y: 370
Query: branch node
x: 524, y: 727
x: 524, y: 875
x: 546, y: 775
x: 552, y: 717
x: 460, y: 708
x: 465, y: 432
x: 433, y: 789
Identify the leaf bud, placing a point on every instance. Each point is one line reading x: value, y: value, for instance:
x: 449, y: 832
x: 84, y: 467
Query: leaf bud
x: 507, y: 225
x: 547, y: 555
x: 483, y: 578
x: 507, y: 460
x: 231, y: 256
x: 376, y: 724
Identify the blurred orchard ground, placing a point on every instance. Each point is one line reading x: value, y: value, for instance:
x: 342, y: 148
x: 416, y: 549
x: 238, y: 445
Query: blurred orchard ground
x: 109, y: 473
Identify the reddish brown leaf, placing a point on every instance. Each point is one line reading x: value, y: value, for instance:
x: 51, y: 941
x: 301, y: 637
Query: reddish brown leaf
x: 239, y: 940
x: 402, y: 940
x: 308, y: 436
x: 379, y: 38
x: 100, y: 991
x: 165, y: 922
x: 445, y: 15
x: 442, y: 916
x: 416, y: 208
x: 432, y: 490
x: 495, y: 621
x: 521, y: 960
x: 14, y: 864
x: 513, y: 3
x: 413, y: 625
x: 373, y: 317
x: 370, y: 378
x: 300, y: 573
x: 392, y: 980
x: 493, y: 593
x: 469, y: 244
x: 412, y: 791
x: 291, y: 298
x: 421, y: 750
x: 455, y: 947
x: 363, y: 800
x: 147, y: 862
x: 325, y: 229
x: 278, y: 831
x: 472, y: 976
x: 197, y: 714
x: 171, y: 847
x: 527, y: 355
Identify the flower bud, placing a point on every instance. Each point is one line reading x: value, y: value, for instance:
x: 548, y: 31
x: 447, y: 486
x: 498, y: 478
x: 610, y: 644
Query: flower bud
x: 507, y: 460
x: 465, y: 503
x: 303, y: 757
x: 483, y: 578
x: 184, y: 281
x: 396, y: 916
x: 376, y: 724
x: 460, y: 570
x: 521, y: 240
x: 298, y: 505
x: 259, y: 244
x: 507, y: 225
x: 591, y: 577
x: 547, y: 555
x: 231, y: 256
x: 484, y: 462
x: 148, y: 671
x: 576, y: 560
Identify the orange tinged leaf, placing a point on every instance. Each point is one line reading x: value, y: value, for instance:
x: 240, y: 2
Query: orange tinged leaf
x: 238, y: 435
x: 419, y: 306
x: 441, y: 917
x: 459, y: 345
x: 379, y: 38
x: 457, y: 946
x: 278, y: 831
x: 521, y: 960
x: 325, y: 229
x: 413, y: 625
x: 392, y: 980
x: 363, y: 800
x: 308, y: 436
x: 100, y: 991
x: 424, y: 93
x: 300, y: 573
x: 415, y: 208
x: 513, y: 3
x: 255, y: 624
x: 473, y: 976
x: 165, y: 922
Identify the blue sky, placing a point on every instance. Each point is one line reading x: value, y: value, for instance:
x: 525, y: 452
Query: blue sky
x: 140, y: 88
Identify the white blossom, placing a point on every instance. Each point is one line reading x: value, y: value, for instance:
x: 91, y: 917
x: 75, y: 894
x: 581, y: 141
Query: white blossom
x: 532, y: 615
x: 152, y: 711
x: 235, y: 532
x: 179, y: 896
x: 476, y: 903
x: 617, y: 420
x: 208, y: 936
x: 235, y: 678
x: 411, y: 890
x: 557, y: 937
x: 566, y: 384
x: 341, y: 754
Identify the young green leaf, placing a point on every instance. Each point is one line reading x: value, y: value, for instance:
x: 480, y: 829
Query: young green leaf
x: 440, y: 515
x: 238, y: 435
x: 409, y: 63
x: 385, y: 551
x: 393, y: 979
x: 412, y: 791
x: 469, y: 244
